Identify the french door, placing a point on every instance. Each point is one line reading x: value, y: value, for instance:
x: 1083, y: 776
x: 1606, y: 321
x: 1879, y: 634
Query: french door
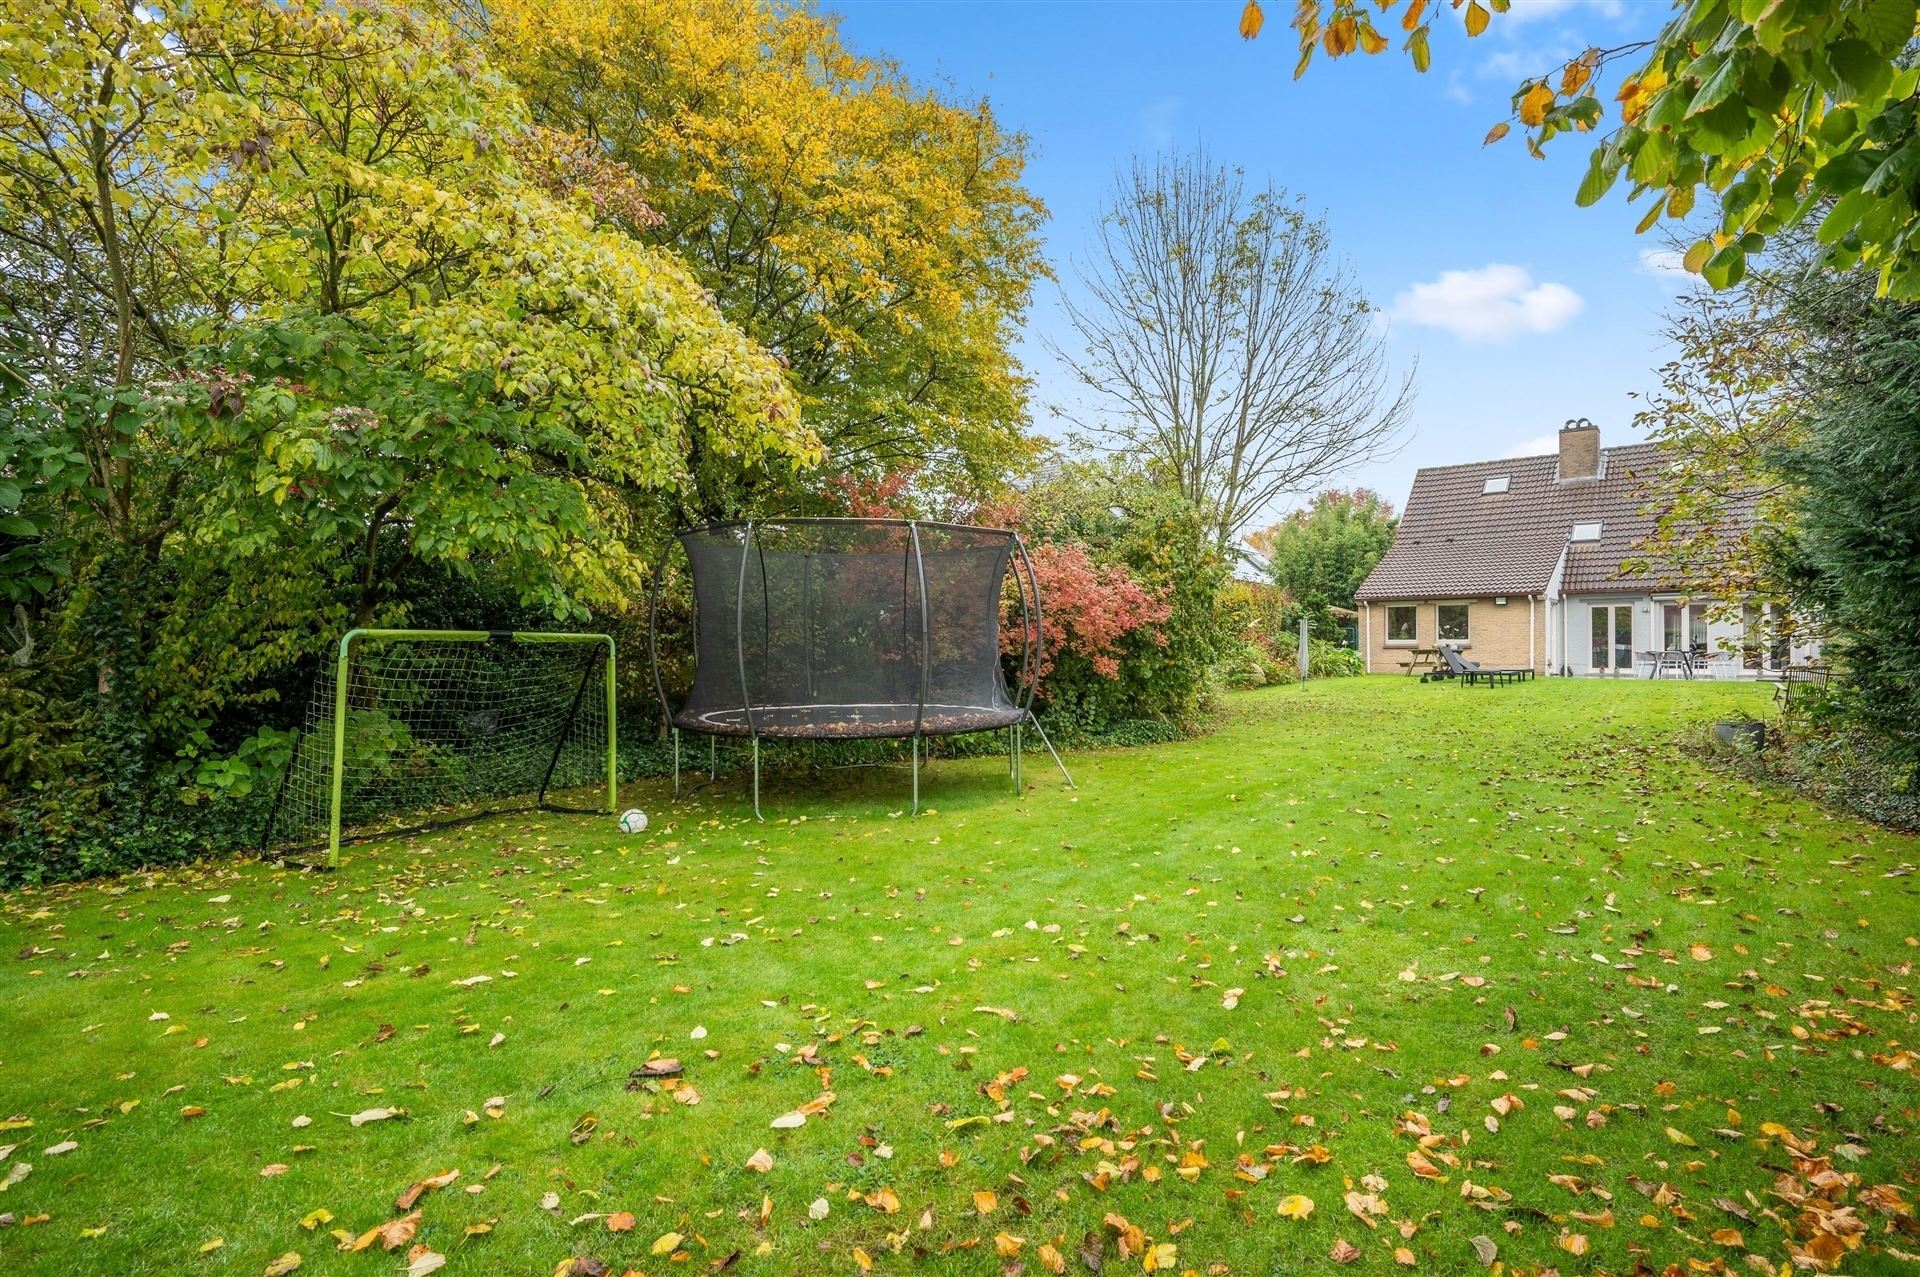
x: 1612, y: 634
x: 1683, y: 625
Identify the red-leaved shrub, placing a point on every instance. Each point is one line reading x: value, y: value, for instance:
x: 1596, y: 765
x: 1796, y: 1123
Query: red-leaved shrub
x: 1089, y: 609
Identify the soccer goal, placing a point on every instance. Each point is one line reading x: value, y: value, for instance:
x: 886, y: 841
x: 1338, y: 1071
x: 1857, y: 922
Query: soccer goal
x: 412, y: 729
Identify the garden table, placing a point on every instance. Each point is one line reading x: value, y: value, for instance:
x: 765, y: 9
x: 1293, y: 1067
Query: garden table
x: 1421, y: 658
x: 1680, y: 658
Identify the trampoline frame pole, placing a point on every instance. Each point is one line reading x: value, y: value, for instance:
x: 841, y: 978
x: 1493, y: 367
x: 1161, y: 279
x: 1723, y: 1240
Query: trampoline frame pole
x: 1014, y: 561
x: 740, y: 651
x: 926, y: 646
x: 1048, y: 742
x: 653, y: 658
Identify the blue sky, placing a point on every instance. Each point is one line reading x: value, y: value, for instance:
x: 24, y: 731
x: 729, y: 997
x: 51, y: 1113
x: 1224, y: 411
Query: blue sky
x: 1521, y: 309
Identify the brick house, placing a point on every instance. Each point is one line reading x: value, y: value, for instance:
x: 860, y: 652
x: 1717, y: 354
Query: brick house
x: 1517, y: 563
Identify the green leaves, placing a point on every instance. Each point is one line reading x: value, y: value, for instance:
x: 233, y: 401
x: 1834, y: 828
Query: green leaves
x: 1602, y: 171
x: 1806, y: 100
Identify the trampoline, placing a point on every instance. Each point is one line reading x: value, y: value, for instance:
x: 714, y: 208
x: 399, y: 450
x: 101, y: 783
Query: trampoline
x: 854, y: 629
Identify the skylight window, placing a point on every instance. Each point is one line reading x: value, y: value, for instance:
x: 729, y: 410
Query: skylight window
x: 1498, y: 483
x: 1584, y: 532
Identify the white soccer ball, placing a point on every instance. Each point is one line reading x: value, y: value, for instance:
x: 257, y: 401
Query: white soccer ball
x: 633, y: 821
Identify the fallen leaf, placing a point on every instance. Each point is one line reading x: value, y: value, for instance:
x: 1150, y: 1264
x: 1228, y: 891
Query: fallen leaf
x: 405, y: 1201
x: 663, y: 1067
x: 372, y: 1115
x: 1296, y: 1206
x: 761, y: 1161
x: 391, y: 1235
x: 423, y: 1261
x: 1364, y: 1206
x: 666, y: 1243
x: 283, y: 1265
x: 1344, y: 1251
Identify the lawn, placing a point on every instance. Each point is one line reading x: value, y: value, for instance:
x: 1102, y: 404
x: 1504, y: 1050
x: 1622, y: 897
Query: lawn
x: 1483, y: 977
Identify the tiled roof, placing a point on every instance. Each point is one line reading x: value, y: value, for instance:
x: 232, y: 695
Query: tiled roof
x: 1439, y: 566
x: 1457, y: 540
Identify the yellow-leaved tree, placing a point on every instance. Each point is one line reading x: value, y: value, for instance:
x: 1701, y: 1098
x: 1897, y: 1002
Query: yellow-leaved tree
x: 876, y: 236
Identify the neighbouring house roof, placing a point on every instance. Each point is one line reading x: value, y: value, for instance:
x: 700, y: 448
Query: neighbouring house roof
x: 1457, y: 539
x: 1250, y: 566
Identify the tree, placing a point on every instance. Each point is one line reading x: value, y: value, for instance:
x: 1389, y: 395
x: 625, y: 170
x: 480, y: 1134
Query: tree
x: 295, y: 323
x: 1738, y: 395
x: 1221, y: 341
x: 1321, y: 552
x: 1789, y: 111
x: 872, y: 234
x: 1857, y: 531
x: 306, y: 301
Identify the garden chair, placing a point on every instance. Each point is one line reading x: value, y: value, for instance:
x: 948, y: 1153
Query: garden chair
x: 1471, y: 672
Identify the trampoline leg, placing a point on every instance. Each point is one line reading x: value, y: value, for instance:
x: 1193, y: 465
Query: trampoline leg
x: 676, y: 762
x: 1013, y: 755
x: 916, y: 775
x: 713, y: 759
x: 1051, y: 750
x: 756, y: 779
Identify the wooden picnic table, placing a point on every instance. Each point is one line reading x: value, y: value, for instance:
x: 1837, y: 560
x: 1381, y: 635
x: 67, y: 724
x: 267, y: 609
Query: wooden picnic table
x: 1421, y: 658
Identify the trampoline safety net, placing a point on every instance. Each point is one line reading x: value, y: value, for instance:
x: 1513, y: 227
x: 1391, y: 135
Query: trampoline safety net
x: 825, y: 629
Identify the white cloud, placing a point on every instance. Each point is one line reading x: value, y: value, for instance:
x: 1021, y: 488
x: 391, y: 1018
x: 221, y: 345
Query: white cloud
x: 1490, y: 303
x: 1540, y: 446
x: 1662, y: 261
x: 1668, y: 266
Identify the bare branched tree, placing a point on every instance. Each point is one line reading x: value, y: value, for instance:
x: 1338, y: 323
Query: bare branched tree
x: 1222, y: 341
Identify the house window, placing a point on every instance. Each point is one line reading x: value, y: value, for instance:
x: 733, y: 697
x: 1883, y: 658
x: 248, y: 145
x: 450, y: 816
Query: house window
x: 1495, y: 485
x: 1584, y: 532
x: 1453, y: 622
x: 1403, y: 623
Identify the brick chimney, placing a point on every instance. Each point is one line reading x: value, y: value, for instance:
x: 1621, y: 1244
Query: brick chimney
x: 1579, y: 450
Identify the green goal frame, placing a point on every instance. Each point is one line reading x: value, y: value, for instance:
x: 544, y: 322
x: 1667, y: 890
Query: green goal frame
x: 341, y: 687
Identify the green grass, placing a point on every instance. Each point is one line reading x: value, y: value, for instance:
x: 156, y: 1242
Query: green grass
x: 1432, y: 897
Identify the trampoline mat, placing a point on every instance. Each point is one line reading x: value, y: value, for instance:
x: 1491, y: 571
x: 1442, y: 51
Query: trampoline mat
x: 849, y: 722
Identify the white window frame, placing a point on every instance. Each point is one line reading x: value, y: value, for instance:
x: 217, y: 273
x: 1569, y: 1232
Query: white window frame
x: 1465, y: 640
x: 1496, y: 485
x: 1576, y: 532
x: 1391, y: 641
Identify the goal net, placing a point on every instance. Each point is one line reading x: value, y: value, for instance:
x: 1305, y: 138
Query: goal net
x: 411, y: 729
